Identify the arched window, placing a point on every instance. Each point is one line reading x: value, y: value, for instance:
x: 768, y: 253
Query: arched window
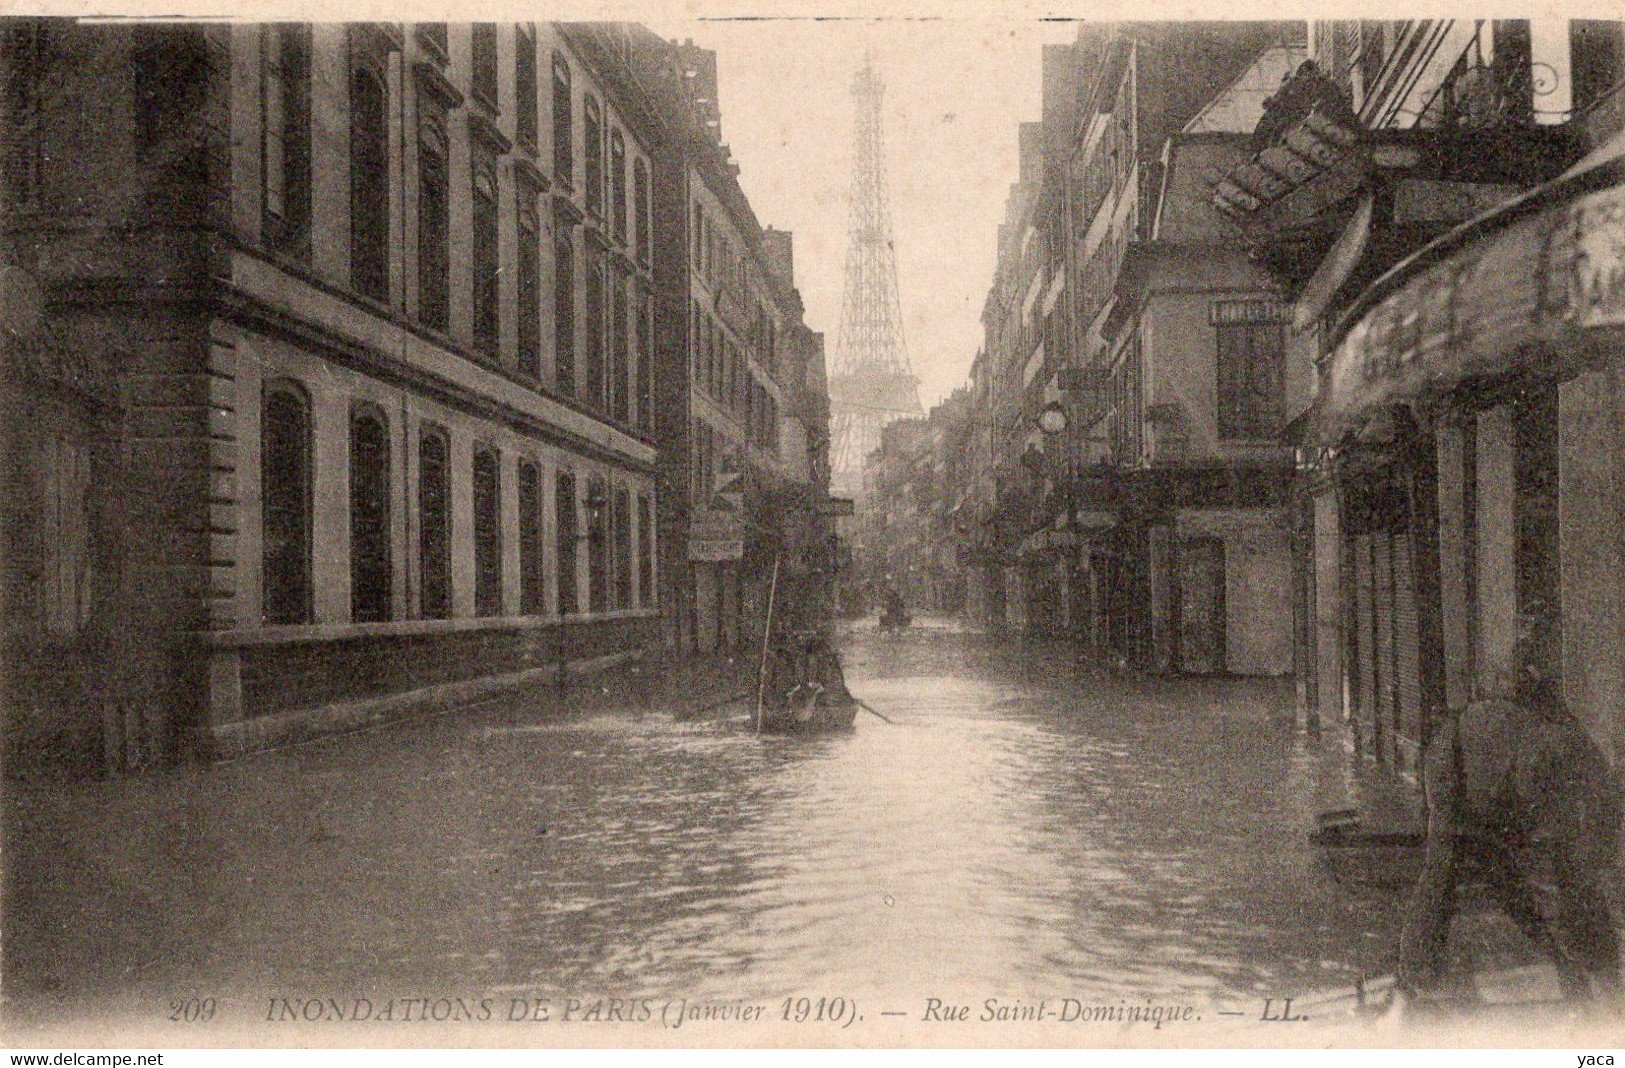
x: 524, y: 84
x: 369, y: 181
x: 285, y: 494
x: 434, y: 518
x: 595, y: 332
x: 487, y: 532
x: 598, y: 544
x: 434, y: 258
x: 530, y: 540
x: 617, y: 183
x: 621, y: 521
x: 646, y: 553
x: 287, y: 137
x: 640, y: 209
x: 565, y: 509
x: 564, y: 159
x: 487, y: 314
x: 646, y: 364
x: 483, y: 47
x: 620, y: 399
x: 371, y: 571
x: 594, y: 154
x: 564, y: 314
x: 528, y: 334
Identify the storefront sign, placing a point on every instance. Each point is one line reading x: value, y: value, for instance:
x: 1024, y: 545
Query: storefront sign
x: 840, y: 507
x: 1599, y: 265
x: 716, y: 536
x: 1225, y: 312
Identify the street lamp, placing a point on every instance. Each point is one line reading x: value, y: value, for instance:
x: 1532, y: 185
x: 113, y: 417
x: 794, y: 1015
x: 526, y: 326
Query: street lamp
x: 1054, y: 422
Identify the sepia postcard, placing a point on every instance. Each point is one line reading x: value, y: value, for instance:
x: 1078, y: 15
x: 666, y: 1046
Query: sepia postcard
x: 811, y: 527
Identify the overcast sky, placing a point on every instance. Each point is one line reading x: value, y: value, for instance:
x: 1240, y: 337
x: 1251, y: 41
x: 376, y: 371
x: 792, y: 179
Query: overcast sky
x: 955, y: 93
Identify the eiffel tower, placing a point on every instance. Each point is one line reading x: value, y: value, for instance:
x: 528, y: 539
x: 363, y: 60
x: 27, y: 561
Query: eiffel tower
x: 871, y: 384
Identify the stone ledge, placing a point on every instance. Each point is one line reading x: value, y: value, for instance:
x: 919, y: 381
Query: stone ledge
x: 228, y: 741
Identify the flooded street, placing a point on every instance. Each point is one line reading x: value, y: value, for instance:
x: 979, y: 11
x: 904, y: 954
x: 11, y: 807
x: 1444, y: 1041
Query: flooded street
x: 1023, y: 828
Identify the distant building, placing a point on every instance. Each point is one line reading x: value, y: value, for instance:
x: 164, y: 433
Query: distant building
x: 1147, y: 519
x: 744, y: 433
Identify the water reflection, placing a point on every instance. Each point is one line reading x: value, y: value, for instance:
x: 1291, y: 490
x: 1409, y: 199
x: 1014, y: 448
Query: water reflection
x: 1024, y: 828
x: 1021, y: 828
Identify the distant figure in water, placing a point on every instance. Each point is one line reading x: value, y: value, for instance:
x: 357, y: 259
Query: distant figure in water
x: 895, y: 612
x: 1501, y: 774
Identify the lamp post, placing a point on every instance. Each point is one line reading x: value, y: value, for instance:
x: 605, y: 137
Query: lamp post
x: 1054, y: 423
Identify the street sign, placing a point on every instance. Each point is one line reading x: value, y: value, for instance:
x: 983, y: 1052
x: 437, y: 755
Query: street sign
x: 716, y: 535
x: 840, y: 506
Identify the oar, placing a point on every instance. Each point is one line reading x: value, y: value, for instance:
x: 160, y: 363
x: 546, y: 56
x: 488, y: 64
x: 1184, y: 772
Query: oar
x: 730, y: 699
x: 767, y: 633
x: 864, y: 705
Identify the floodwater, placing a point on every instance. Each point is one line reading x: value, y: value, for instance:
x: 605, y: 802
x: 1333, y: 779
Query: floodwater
x: 1023, y: 827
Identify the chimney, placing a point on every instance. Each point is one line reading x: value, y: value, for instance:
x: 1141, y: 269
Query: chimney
x: 778, y: 249
x: 1032, y: 152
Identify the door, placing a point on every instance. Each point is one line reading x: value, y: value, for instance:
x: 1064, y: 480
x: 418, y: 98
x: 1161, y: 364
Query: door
x: 1201, y: 606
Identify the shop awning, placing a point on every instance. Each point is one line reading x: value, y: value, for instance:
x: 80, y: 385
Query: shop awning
x: 1536, y: 285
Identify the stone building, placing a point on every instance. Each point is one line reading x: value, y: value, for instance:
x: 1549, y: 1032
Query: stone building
x: 337, y: 402
x: 744, y: 425
x: 1129, y: 383
x: 1449, y: 381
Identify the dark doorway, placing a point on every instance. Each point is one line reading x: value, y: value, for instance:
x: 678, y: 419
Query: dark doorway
x: 1201, y: 606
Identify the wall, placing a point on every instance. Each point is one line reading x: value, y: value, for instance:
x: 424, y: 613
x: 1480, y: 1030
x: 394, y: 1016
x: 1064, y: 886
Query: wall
x: 1592, y: 517
x: 1258, y: 586
x: 1181, y: 350
x: 1497, y: 603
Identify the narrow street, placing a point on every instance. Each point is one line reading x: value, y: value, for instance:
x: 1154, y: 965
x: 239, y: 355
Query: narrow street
x: 1024, y: 828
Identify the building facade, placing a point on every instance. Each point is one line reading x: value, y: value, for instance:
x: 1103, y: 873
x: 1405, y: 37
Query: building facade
x: 1129, y: 387
x: 1457, y: 465
x: 744, y: 440
x: 335, y: 356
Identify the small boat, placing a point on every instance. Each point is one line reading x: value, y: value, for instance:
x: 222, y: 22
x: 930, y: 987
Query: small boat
x: 818, y: 714
x: 800, y: 687
x: 1390, y: 862
x: 1362, y: 860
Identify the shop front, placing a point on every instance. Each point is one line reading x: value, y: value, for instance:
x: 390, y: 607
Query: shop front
x: 1474, y: 402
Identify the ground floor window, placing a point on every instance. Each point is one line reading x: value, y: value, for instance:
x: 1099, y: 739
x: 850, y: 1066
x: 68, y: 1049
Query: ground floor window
x: 646, y: 553
x: 567, y: 534
x: 621, y: 518
x: 285, y: 477
x: 434, y: 516
x: 598, y: 545
x: 371, y: 570
x: 530, y: 539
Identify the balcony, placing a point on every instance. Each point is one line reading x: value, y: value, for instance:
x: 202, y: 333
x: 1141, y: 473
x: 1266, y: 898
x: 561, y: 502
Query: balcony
x: 1314, y: 164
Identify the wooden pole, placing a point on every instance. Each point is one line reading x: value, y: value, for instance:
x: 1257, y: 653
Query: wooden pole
x: 767, y: 634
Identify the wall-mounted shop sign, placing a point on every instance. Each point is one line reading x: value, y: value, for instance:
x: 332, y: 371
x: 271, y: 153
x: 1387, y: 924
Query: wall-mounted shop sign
x: 1597, y: 291
x: 1226, y: 312
x: 716, y: 536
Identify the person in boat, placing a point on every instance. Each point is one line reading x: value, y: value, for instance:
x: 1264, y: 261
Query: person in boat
x: 896, y: 610
x: 821, y: 669
x: 803, y: 666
